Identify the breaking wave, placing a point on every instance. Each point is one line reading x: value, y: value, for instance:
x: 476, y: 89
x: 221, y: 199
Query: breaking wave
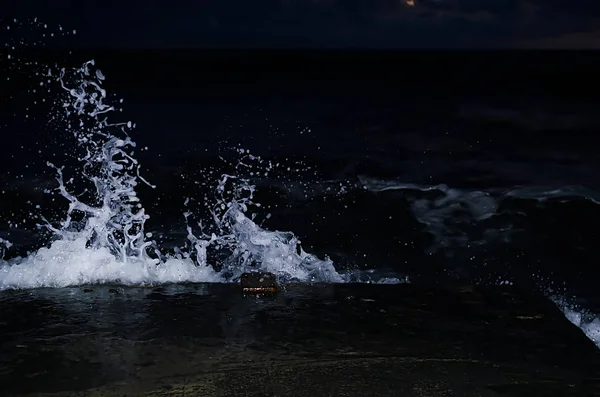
x: 102, y: 239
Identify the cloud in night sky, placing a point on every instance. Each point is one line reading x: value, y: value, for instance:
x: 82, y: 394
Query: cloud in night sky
x: 323, y: 23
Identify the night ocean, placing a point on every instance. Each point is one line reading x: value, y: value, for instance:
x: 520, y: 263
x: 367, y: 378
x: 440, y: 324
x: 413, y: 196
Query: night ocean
x: 428, y: 215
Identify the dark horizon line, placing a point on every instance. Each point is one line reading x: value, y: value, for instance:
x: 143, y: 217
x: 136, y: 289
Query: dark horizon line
x: 309, y: 50
x: 580, y: 60
x: 543, y: 70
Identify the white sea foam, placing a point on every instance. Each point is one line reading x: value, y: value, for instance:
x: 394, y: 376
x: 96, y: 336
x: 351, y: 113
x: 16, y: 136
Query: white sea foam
x: 72, y: 262
x: 449, y: 212
x: 588, y: 322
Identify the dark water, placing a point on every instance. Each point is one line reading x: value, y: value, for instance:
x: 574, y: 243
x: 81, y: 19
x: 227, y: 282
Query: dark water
x: 345, y: 339
x: 476, y: 171
x: 482, y: 169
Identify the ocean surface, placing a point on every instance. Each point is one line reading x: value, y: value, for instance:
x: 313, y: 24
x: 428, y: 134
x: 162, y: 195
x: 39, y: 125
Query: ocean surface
x: 146, y: 168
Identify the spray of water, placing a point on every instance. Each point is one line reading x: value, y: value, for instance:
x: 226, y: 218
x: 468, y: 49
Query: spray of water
x: 102, y: 237
x: 117, y: 221
x: 245, y: 246
x: 4, y: 245
x: 588, y: 322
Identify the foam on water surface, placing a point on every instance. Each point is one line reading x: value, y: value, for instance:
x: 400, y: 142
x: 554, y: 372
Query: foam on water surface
x: 71, y: 262
x: 445, y: 211
x: 588, y: 322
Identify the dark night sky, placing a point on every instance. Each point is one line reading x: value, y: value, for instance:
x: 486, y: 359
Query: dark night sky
x: 320, y: 23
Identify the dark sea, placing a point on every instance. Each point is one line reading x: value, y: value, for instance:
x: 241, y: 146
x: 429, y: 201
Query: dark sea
x: 428, y: 168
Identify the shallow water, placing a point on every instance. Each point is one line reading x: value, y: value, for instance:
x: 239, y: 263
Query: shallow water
x: 212, y: 340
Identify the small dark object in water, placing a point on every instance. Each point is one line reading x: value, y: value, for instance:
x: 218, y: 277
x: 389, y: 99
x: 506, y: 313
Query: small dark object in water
x: 258, y: 282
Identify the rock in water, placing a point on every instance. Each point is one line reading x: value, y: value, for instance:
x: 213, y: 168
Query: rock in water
x: 259, y: 283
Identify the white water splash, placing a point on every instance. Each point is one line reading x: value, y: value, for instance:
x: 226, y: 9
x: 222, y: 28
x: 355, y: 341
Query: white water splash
x: 4, y: 245
x: 102, y: 238
x: 250, y: 247
x: 589, y: 323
